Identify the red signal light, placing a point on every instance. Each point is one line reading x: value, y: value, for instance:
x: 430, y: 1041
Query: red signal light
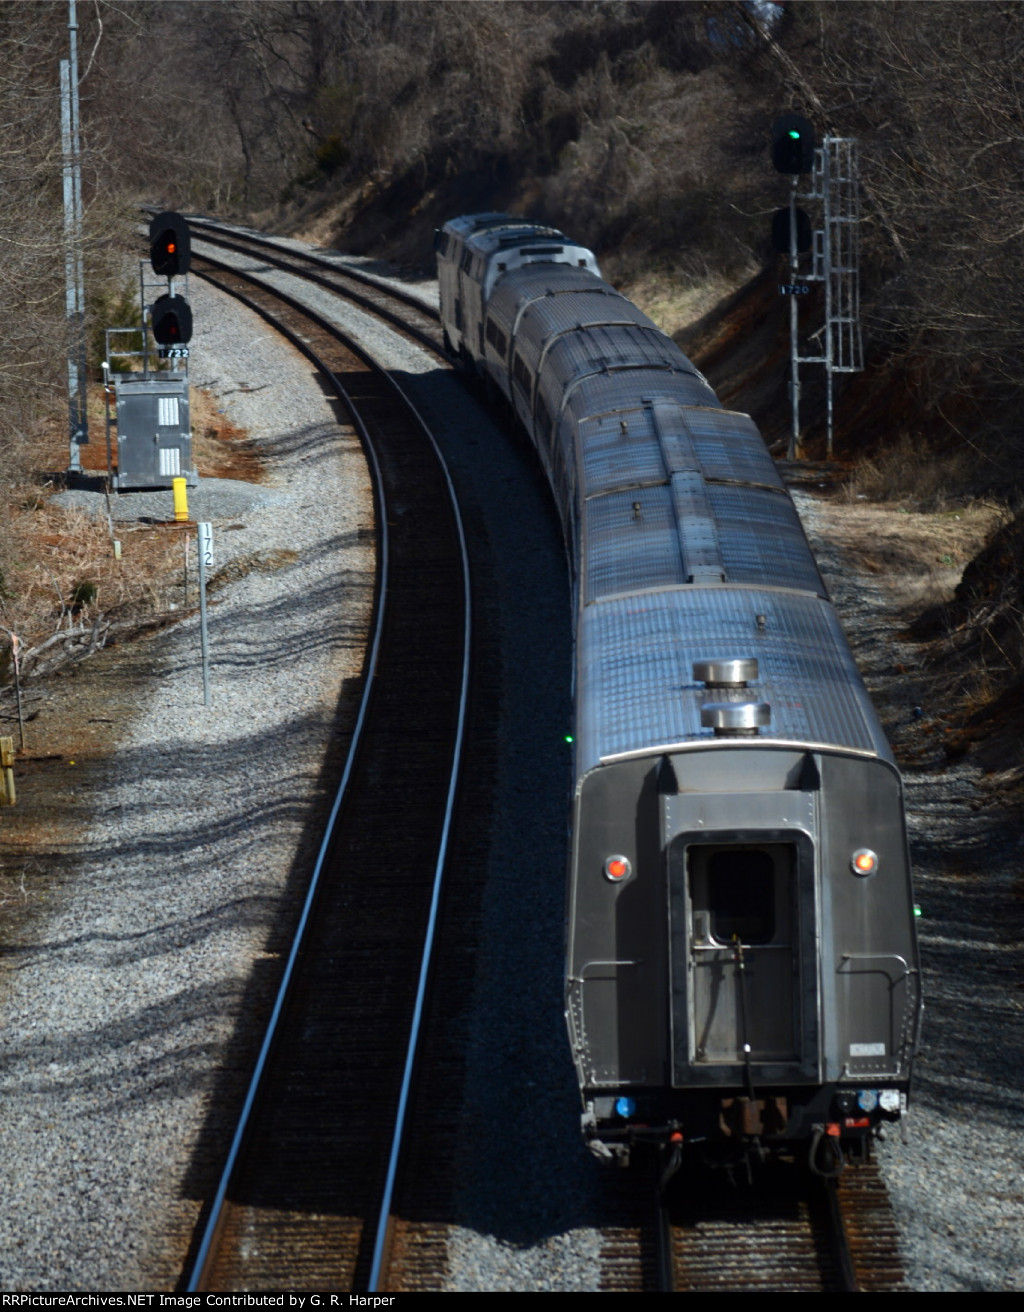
x: 170, y: 244
x: 171, y: 317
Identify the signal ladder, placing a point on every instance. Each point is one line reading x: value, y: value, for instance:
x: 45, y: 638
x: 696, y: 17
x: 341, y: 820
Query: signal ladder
x: 836, y: 263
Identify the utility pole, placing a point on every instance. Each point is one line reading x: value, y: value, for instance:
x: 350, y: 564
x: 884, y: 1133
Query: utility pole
x: 792, y: 154
x: 74, y: 277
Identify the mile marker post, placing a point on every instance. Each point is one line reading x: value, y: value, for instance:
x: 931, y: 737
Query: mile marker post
x: 205, y: 553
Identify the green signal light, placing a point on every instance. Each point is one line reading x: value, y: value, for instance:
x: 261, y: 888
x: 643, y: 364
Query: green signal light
x: 569, y: 738
x: 794, y: 135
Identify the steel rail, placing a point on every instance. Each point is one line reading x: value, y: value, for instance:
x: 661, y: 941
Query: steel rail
x: 846, y: 1267
x: 220, y: 233
x: 383, y: 1223
x: 307, y: 264
x: 813, y: 1235
x: 217, y: 1208
x: 212, y: 1231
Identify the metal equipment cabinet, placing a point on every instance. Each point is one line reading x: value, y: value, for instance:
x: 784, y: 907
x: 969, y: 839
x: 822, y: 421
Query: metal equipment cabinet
x: 154, y: 437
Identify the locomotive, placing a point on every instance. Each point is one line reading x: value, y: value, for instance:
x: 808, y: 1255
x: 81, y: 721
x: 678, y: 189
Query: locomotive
x: 742, y: 975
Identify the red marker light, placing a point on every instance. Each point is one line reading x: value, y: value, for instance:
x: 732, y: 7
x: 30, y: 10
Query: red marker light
x: 617, y: 868
x: 864, y: 861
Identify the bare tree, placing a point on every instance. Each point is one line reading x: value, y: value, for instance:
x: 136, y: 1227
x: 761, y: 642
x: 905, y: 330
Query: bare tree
x: 31, y: 264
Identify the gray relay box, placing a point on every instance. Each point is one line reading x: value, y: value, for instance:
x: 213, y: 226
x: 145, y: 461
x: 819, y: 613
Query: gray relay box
x: 154, y: 436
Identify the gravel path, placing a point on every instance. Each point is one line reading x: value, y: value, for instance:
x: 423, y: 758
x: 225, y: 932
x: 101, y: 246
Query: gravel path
x: 151, y: 912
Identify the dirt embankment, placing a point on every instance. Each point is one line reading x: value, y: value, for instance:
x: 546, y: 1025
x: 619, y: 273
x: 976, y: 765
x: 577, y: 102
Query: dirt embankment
x: 900, y: 511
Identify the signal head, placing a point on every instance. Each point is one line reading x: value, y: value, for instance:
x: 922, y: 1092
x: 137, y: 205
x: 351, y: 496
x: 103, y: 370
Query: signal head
x: 170, y: 244
x: 792, y: 144
x: 171, y: 317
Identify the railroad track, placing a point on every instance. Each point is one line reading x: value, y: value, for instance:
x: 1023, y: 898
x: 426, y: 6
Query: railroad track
x: 344, y: 1234
x: 305, y: 1195
x: 411, y: 315
x: 789, y: 1232
x: 785, y: 1230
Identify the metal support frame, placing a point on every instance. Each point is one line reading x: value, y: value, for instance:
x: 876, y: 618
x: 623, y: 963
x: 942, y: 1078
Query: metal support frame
x: 836, y: 263
x: 794, y: 333
x: 844, y: 346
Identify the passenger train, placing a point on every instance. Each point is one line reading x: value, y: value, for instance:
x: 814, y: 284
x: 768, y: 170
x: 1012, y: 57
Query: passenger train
x: 742, y: 974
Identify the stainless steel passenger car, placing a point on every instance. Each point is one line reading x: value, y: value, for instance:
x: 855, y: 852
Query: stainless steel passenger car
x: 742, y: 968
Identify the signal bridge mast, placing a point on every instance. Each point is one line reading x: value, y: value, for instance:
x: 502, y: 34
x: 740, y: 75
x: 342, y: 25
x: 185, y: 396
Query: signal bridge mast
x: 835, y: 253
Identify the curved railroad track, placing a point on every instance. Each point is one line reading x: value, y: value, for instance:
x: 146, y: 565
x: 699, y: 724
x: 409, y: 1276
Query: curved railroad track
x: 411, y: 315
x: 305, y: 1193
x: 788, y: 1233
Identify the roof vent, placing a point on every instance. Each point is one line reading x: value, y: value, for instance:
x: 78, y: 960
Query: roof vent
x: 726, y: 673
x: 735, y: 719
x: 734, y: 716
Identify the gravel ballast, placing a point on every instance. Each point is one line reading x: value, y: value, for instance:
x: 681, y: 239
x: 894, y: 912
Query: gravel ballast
x: 152, y: 918
x: 120, y: 998
x: 955, y: 1174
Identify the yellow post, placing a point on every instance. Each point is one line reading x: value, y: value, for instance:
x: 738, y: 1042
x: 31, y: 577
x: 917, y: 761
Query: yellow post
x: 180, y: 500
x: 8, y: 795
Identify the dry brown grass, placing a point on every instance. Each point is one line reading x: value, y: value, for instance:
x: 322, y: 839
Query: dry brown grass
x: 220, y: 448
x: 675, y: 301
x: 63, y: 572
x: 66, y: 575
x: 911, y: 473
x: 920, y: 556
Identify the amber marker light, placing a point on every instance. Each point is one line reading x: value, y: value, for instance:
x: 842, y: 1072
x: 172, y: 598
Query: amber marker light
x: 617, y: 868
x: 864, y: 862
